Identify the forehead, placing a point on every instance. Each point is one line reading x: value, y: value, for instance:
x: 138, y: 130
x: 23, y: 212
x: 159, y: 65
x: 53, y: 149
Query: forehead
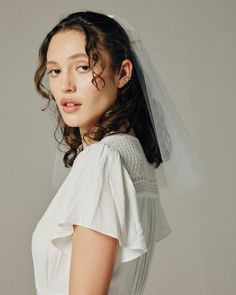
x: 68, y: 43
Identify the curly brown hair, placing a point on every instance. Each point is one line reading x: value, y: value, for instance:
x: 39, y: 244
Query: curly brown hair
x: 129, y: 110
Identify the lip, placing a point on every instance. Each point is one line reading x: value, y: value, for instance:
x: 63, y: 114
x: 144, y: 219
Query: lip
x: 70, y: 100
x: 68, y: 109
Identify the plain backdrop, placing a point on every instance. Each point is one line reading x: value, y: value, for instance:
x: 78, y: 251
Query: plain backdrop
x: 193, y: 47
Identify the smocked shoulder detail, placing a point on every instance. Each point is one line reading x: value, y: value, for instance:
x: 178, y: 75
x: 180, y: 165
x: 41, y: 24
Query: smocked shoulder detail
x: 133, y: 157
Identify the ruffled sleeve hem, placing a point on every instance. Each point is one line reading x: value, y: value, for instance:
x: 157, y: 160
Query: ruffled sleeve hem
x: 126, y: 251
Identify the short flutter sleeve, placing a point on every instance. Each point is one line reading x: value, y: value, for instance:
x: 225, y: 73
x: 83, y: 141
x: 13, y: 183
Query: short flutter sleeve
x: 100, y: 195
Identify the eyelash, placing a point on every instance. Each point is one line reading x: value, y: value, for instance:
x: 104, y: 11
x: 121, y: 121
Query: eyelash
x: 49, y: 72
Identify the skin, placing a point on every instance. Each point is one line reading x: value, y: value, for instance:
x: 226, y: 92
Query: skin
x: 93, y: 253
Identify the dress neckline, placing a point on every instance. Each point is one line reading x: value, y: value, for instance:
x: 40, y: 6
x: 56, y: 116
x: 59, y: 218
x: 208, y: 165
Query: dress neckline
x: 119, y: 134
x: 112, y: 136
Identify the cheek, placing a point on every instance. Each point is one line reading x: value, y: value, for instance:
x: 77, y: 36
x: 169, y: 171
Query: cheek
x: 53, y: 88
x: 89, y: 93
x: 86, y: 85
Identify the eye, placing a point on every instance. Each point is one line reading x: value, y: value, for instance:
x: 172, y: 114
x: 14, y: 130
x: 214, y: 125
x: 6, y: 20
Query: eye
x: 50, y: 72
x: 84, y: 69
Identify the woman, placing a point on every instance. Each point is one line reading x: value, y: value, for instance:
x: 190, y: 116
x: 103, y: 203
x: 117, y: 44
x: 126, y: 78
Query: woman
x: 98, y: 235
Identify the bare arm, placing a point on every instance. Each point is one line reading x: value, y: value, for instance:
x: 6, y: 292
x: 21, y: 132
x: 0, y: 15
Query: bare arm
x: 92, y: 262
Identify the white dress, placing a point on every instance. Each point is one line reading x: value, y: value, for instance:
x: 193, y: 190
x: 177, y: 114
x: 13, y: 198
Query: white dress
x: 110, y: 188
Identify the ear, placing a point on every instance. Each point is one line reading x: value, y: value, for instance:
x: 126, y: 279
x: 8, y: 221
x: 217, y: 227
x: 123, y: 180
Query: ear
x: 125, y: 72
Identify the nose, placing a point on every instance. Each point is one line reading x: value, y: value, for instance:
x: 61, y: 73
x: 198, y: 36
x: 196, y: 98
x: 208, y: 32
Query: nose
x: 67, y: 83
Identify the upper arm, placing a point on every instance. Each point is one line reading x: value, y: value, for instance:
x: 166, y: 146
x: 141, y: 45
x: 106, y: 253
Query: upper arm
x: 92, y: 261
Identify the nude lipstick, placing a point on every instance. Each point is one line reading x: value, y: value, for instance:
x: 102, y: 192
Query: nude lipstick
x: 70, y: 105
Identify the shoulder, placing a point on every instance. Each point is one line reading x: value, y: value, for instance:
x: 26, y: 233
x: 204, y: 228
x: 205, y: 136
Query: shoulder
x: 126, y: 146
x: 106, y: 159
x: 97, y: 156
x: 121, y: 143
x: 116, y: 150
x: 97, y: 151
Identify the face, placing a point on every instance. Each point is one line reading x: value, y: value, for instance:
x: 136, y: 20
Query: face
x: 71, y: 78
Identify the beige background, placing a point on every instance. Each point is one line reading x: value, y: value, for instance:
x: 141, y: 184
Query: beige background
x: 193, y: 45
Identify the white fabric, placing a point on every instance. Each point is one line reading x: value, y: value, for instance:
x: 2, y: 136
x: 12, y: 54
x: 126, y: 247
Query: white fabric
x: 112, y: 189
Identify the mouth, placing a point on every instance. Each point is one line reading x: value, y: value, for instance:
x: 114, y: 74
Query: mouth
x: 70, y: 104
x: 71, y: 107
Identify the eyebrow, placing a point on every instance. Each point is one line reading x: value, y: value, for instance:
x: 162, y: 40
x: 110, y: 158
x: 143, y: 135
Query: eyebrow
x: 73, y: 56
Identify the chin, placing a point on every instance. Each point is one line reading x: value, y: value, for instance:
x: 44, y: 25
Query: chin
x: 72, y: 124
x: 75, y: 124
x: 83, y: 125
